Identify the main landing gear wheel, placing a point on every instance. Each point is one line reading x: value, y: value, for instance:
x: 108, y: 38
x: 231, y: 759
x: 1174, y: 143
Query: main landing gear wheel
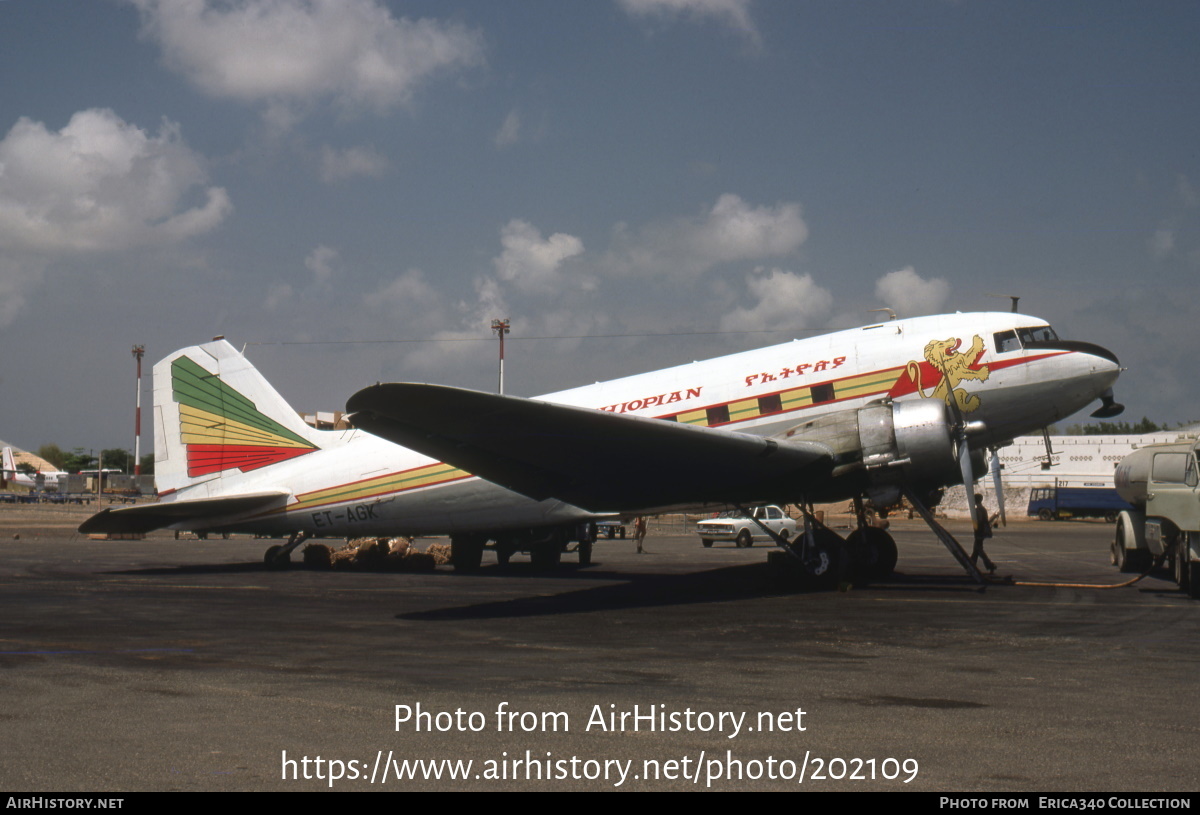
x: 546, y: 556
x: 585, y: 553
x: 820, y: 563
x: 873, y: 551
x: 466, y: 552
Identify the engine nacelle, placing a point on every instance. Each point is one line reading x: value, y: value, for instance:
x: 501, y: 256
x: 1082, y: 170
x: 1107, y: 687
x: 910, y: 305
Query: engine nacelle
x: 886, y: 444
x: 908, y: 441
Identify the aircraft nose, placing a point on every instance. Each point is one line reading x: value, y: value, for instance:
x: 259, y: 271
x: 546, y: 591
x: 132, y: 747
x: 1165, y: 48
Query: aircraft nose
x: 1098, y: 351
x: 1105, y: 368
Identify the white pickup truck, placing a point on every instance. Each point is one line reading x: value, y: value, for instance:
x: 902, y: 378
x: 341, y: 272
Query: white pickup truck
x: 736, y: 527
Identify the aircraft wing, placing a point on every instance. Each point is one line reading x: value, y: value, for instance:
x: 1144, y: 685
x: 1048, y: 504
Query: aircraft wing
x: 148, y: 517
x: 594, y: 459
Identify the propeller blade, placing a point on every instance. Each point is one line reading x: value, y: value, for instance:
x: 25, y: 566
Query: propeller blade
x: 968, y: 477
x: 964, y: 460
x: 999, y: 484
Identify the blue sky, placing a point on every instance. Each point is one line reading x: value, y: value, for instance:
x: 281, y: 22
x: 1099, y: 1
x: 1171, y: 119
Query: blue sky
x: 298, y: 174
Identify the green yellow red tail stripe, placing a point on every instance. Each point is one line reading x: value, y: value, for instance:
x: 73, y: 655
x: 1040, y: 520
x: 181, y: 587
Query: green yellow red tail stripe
x: 222, y: 429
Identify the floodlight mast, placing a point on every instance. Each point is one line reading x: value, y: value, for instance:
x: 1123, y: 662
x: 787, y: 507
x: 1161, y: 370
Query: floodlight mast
x: 138, y: 352
x: 501, y: 327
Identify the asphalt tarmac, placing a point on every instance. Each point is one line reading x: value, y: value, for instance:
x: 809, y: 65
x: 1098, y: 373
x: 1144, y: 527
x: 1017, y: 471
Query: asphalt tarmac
x: 165, y: 665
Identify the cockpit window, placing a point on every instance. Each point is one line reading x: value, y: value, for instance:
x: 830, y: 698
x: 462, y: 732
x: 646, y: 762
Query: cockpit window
x: 1041, y: 333
x: 1019, y: 338
x: 1007, y: 341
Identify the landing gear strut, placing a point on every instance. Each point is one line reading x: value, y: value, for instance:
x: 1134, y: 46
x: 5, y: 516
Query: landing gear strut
x: 944, y: 536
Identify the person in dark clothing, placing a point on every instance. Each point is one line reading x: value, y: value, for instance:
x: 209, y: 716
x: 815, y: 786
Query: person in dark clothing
x: 983, y: 531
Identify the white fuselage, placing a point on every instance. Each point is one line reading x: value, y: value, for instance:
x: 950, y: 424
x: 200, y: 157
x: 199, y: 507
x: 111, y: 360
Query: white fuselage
x: 359, y: 484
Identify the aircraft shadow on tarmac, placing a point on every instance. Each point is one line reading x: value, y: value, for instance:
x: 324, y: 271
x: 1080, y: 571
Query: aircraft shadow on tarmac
x: 628, y: 590
x: 655, y: 590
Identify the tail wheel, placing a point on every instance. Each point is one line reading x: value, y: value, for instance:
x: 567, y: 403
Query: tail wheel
x: 276, y: 558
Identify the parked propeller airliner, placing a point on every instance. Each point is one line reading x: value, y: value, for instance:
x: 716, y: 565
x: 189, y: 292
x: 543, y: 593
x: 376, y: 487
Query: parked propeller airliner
x: 35, y: 481
x: 901, y: 407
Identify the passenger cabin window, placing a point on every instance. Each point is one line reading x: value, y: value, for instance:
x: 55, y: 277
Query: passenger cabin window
x: 718, y: 414
x: 770, y: 404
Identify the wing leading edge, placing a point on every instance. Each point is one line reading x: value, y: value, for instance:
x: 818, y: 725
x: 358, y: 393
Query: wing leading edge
x: 593, y: 459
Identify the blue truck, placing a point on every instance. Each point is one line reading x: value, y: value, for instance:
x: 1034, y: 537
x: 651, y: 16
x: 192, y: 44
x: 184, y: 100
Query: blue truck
x: 1060, y: 503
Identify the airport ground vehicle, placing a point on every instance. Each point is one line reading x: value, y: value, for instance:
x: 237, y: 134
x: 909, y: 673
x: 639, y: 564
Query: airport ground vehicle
x: 1060, y: 503
x: 610, y: 529
x: 1161, y: 481
x: 741, y: 529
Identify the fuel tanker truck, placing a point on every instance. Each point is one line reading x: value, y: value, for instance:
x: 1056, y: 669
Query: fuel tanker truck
x: 1160, y: 481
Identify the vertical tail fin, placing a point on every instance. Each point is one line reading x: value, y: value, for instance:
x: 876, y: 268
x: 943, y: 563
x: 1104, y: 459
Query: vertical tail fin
x: 8, y: 469
x: 215, y: 415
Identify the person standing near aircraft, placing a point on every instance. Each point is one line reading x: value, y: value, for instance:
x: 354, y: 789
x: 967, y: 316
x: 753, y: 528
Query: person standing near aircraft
x: 983, y: 531
x: 639, y: 532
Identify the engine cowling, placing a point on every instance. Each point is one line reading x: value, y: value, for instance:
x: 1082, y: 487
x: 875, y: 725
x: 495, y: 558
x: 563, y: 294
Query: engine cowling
x: 886, y: 444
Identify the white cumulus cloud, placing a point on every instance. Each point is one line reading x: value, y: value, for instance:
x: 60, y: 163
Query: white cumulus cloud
x: 731, y: 231
x: 510, y: 130
x: 299, y: 51
x: 909, y: 295
x: 782, y: 300
x: 530, y: 262
x: 732, y: 13
x: 340, y: 165
x: 101, y: 184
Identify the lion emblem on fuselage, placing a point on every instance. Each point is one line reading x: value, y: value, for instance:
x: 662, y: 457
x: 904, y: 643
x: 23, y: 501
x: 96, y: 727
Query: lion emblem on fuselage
x: 954, y: 366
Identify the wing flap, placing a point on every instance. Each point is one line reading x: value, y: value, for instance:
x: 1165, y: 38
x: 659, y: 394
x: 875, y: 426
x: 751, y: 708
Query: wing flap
x: 148, y: 517
x: 594, y: 459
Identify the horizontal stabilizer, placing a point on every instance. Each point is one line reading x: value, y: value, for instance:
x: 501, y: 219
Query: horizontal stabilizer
x: 148, y: 517
x: 594, y: 459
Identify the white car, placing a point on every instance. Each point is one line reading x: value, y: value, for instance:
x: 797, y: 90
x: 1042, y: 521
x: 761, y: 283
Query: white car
x: 736, y: 527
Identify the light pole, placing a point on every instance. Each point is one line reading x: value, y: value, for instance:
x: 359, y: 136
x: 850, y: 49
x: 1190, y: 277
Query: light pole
x: 501, y: 327
x: 138, y: 351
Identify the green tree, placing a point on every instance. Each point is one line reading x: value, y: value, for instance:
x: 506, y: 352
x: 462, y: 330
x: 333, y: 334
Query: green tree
x: 78, y: 459
x: 54, y: 454
x: 1116, y: 428
x: 117, y: 459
